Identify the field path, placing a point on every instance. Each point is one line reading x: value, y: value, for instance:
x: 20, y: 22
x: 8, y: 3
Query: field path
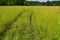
x: 8, y: 26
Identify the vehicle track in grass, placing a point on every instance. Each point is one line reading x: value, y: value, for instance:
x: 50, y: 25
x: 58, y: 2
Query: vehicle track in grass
x: 32, y: 31
x: 8, y: 26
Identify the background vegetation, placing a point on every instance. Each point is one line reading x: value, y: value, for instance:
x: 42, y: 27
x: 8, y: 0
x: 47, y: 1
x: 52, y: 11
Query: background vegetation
x: 29, y: 3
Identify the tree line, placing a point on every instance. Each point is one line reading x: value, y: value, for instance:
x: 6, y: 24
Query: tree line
x: 29, y: 3
x: 12, y: 2
x: 48, y: 3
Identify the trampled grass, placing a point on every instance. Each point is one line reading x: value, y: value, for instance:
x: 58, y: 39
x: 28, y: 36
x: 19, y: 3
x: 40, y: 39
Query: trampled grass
x: 29, y: 23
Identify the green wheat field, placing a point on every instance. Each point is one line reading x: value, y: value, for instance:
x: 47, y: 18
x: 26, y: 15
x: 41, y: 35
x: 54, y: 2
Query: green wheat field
x: 29, y: 23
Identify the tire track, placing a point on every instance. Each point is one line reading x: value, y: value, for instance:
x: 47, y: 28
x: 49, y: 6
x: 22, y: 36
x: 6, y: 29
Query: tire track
x: 8, y: 26
x: 32, y: 30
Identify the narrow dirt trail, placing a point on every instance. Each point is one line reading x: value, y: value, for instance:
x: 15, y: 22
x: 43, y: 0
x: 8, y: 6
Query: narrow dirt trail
x: 32, y: 30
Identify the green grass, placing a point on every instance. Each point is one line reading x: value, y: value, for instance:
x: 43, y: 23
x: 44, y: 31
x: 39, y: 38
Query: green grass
x: 45, y: 23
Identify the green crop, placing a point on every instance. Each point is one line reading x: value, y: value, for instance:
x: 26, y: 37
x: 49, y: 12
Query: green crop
x: 29, y: 23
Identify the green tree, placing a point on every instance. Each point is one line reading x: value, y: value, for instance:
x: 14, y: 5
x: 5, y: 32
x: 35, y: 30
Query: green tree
x: 20, y: 2
x: 12, y: 2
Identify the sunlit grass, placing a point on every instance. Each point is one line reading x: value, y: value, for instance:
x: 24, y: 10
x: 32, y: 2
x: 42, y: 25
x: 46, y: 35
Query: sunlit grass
x: 45, y: 22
